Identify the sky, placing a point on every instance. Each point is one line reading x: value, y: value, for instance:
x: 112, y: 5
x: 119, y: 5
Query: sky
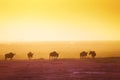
x: 59, y: 20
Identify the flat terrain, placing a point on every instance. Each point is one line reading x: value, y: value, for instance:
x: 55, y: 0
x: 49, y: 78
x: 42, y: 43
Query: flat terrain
x: 63, y: 69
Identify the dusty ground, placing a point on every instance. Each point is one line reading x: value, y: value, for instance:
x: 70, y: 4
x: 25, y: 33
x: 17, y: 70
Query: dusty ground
x: 65, y: 69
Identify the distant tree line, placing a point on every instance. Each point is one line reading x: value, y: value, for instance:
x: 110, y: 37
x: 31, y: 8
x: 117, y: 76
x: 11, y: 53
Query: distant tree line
x: 52, y: 55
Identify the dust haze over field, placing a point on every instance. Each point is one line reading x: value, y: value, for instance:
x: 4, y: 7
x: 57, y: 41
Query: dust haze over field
x: 67, y: 49
x: 62, y: 21
x: 65, y: 68
x: 65, y: 26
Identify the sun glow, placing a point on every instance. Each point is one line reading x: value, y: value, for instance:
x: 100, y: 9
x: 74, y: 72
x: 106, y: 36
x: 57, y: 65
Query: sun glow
x: 59, y: 20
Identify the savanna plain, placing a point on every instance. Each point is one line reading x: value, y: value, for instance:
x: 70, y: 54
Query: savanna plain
x: 62, y: 69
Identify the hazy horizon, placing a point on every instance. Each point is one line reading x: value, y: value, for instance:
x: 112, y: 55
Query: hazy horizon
x: 67, y: 26
x: 66, y: 49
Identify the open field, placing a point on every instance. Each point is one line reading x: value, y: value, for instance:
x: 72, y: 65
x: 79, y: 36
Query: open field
x: 63, y: 69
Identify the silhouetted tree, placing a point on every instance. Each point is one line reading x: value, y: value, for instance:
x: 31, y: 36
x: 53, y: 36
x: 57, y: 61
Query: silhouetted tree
x: 53, y: 55
x: 83, y: 54
x: 9, y: 55
x: 92, y: 53
x: 30, y: 55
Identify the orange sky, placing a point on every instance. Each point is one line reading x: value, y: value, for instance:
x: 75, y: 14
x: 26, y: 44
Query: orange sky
x: 59, y: 20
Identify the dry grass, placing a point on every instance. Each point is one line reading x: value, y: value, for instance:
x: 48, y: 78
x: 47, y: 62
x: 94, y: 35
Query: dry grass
x: 63, y: 69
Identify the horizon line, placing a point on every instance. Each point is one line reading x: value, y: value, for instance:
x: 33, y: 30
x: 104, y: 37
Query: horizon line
x: 56, y: 41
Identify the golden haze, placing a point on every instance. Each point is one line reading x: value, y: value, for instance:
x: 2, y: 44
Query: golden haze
x: 59, y: 20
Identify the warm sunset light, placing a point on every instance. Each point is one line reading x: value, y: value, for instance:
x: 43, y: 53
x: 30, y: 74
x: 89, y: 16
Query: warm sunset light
x: 59, y: 39
x: 59, y: 20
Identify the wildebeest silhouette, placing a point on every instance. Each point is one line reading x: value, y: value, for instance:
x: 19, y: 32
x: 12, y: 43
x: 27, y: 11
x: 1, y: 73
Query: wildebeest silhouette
x: 9, y: 55
x: 83, y: 54
x: 92, y: 53
x: 30, y: 55
x: 53, y: 55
